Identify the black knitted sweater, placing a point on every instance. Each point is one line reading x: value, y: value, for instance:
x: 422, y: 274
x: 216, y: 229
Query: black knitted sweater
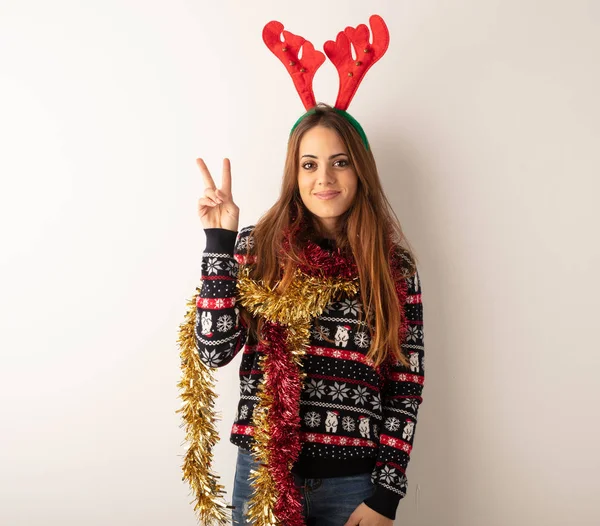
x: 355, y: 418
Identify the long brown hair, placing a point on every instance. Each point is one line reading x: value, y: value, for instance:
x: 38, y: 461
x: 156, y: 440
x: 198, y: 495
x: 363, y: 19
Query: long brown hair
x: 367, y: 231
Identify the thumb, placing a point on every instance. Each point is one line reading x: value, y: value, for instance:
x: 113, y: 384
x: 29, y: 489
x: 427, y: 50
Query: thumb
x: 353, y: 520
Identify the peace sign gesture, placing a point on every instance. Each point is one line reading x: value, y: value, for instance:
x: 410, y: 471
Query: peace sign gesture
x: 217, y: 209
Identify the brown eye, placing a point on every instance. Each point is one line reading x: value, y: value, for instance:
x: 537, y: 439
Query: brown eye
x: 308, y: 166
x: 342, y: 163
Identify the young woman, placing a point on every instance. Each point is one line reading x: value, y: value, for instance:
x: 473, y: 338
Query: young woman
x: 361, y: 365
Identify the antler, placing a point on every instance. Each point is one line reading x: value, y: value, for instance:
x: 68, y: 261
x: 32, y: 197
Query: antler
x: 301, y: 70
x: 352, y: 71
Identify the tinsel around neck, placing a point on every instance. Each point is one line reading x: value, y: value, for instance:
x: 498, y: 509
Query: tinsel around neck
x: 318, y: 261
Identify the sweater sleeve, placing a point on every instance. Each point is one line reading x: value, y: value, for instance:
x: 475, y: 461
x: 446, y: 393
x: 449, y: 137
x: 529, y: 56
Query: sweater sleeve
x: 220, y: 332
x: 401, y: 399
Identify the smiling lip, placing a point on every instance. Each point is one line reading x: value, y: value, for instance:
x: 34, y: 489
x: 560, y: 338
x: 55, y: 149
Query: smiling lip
x: 326, y: 195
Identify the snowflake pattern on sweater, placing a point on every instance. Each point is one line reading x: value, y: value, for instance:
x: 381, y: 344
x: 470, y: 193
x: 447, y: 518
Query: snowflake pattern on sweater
x: 351, y: 413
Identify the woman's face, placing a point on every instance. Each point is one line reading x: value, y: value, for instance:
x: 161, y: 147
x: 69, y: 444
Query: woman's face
x: 327, y: 181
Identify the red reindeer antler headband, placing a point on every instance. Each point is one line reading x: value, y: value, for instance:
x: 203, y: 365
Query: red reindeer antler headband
x: 351, y: 70
x: 302, y: 70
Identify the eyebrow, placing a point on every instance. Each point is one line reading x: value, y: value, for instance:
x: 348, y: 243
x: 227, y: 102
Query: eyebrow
x: 315, y: 157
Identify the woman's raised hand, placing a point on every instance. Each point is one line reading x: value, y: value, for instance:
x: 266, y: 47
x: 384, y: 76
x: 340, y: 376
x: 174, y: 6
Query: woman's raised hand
x: 217, y: 209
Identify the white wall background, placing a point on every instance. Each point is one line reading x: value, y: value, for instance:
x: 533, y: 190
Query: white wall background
x: 484, y: 117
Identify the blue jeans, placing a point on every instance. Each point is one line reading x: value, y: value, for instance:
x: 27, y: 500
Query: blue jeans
x: 326, y: 502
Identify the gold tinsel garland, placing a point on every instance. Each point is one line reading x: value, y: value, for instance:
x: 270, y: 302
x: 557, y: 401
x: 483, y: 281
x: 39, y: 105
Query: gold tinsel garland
x: 264, y: 496
x: 305, y: 298
x: 198, y: 395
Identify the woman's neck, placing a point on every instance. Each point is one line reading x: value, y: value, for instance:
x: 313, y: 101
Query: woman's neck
x: 326, y: 231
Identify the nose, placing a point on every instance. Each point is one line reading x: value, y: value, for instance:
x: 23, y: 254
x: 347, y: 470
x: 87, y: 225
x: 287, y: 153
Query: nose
x: 325, y: 177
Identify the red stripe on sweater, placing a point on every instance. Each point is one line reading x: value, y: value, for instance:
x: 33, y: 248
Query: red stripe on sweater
x: 253, y: 371
x: 315, y: 438
x: 237, y: 429
x: 215, y: 303
x: 342, y: 355
x: 334, y: 440
x: 404, y: 377
x: 213, y: 278
x: 396, y: 443
x: 413, y: 298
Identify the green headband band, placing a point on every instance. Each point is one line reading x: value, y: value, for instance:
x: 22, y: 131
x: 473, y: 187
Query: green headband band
x: 348, y: 117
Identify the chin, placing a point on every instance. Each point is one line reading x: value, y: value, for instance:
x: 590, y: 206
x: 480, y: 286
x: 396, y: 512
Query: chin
x: 328, y: 214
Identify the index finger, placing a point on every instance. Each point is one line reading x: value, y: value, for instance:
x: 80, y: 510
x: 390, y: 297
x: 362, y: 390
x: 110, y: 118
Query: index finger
x: 206, y: 177
x: 226, y: 180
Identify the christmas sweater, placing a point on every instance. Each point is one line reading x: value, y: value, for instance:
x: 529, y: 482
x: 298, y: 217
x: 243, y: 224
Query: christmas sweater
x: 355, y: 418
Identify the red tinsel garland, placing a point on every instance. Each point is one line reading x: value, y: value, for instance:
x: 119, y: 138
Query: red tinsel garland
x: 317, y: 261
x: 284, y: 385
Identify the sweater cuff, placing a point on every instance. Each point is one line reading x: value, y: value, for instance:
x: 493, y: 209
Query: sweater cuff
x: 384, y: 502
x: 220, y: 240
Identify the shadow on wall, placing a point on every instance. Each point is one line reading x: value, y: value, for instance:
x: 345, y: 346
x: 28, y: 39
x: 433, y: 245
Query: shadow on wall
x: 405, y: 177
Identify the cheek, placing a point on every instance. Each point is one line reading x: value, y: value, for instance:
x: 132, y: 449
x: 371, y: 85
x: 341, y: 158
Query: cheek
x: 302, y: 190
x: 303, y: 184
x: 352, y: 185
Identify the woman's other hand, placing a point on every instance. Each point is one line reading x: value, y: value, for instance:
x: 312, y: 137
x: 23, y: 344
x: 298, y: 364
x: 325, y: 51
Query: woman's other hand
x: 365, y: 516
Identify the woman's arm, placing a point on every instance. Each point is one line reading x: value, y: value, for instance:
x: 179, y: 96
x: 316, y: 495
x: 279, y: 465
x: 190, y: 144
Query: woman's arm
x: 219, y: 331
x: 401, y: 400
